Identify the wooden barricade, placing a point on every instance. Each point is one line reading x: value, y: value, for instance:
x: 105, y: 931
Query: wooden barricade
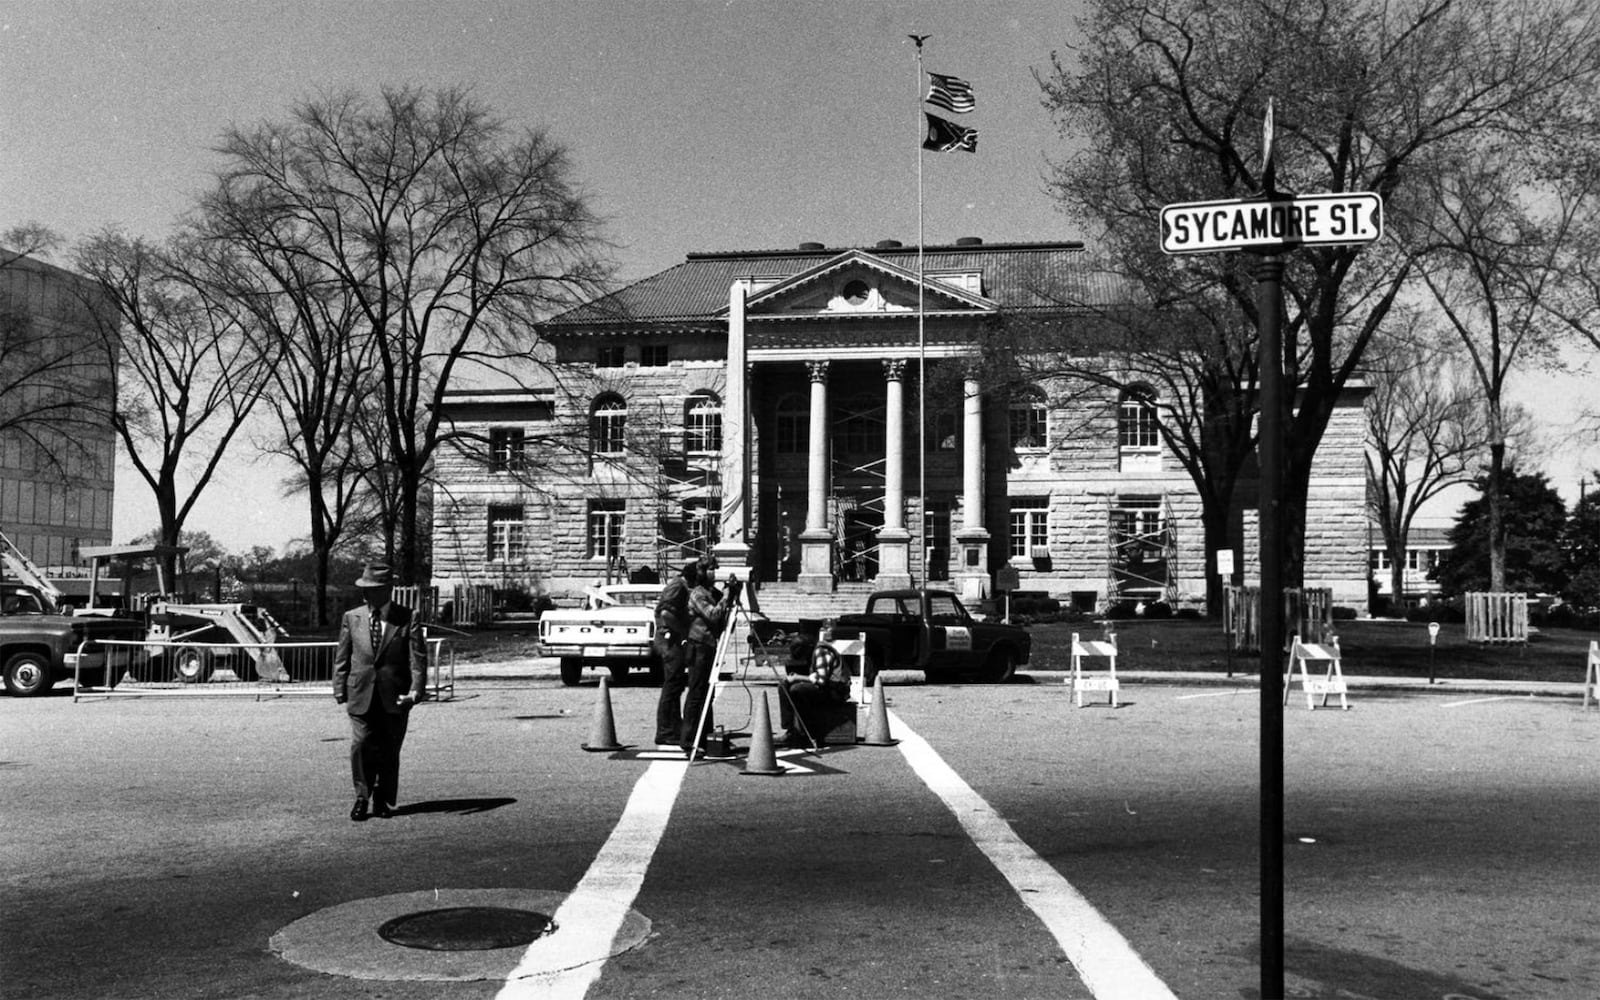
x: 1082, y: 681
x: 1307, y: 612
x: 1591, y: 680
x: 1332, y: 681
x: 1497, y: 617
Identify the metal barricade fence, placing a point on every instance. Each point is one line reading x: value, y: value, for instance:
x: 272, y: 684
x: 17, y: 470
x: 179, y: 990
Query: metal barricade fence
x: 150, y: 667
x: 156, y: 667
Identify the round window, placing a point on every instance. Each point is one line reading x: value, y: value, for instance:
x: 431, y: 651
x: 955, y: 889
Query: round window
x: 856, y: 292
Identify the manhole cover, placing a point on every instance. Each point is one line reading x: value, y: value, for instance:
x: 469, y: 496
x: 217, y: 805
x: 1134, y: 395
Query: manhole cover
x: 466, y: 928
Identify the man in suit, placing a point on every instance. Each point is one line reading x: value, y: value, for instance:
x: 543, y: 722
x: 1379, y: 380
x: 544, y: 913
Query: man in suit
x: 380, y: 671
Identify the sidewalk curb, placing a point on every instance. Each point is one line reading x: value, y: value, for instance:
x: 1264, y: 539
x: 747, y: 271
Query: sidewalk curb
x: 543, y: 669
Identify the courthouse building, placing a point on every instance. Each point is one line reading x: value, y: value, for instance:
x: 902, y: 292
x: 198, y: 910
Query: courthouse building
x: 765, y: 405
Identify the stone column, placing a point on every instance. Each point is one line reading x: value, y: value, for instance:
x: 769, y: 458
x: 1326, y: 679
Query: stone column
x: 816, y: 542
x: 732, y: 547
x: 894, y: 541
x: 972, y: 571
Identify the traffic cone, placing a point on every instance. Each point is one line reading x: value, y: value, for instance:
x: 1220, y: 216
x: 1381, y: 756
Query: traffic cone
x: 603, y: 731
x: 878, y: 718
x: 761, y: 759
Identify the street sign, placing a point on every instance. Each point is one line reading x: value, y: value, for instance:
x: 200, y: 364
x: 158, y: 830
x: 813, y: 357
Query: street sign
x: 1347, y: 219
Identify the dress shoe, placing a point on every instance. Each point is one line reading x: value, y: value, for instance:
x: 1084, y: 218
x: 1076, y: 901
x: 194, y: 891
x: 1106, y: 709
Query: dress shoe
x: 358, y: 812
x: 381, y: 810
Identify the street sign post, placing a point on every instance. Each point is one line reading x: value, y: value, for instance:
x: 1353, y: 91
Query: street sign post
x: 1276, y: 224
x: 1269, y: 226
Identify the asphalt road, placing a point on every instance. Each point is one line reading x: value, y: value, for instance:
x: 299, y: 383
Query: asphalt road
x: 1438, y: 845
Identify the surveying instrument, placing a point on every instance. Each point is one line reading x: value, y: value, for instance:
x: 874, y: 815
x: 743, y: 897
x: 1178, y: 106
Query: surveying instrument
x: 740, y: 622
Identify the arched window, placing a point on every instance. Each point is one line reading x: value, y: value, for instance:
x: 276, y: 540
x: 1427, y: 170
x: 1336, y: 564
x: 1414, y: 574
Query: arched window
x: 702, y: 424
x: 608, y: 426
x: 1137, y: 426
x: 1029, y: 420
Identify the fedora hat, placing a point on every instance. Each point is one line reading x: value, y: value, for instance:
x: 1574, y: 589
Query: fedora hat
x: 376, y: 574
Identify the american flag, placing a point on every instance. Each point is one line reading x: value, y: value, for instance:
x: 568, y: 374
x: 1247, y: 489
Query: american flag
x: 951, y: 93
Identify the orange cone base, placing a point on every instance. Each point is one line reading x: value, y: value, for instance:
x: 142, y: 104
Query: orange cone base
x: 878, y: 719
x: 603, y: 730
x: 762, y: 759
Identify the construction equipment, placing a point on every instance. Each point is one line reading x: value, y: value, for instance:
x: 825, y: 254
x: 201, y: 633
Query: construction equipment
x: 197, y: 631
x: 31, y: 575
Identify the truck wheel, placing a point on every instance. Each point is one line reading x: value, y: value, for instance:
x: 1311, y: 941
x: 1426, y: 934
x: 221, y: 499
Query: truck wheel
x: 571, y: 671
x: 619, y: 673
x: 1002, y: 666
x: 28, y: 674
x: 189, y: 667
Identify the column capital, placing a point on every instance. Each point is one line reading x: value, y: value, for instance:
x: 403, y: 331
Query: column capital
x: 817, y: 371
x: 894, y: 369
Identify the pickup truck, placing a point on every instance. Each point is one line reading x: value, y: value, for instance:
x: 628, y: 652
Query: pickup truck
x: 929, y: 630
x: 614, y: 629
x: 39, y: 648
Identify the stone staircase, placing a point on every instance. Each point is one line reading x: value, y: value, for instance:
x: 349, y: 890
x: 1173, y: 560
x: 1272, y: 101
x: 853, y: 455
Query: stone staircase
x: 784, y: 602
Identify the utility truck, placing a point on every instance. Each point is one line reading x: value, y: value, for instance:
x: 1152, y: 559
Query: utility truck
x: 614, y: 630
x: 930, y: 630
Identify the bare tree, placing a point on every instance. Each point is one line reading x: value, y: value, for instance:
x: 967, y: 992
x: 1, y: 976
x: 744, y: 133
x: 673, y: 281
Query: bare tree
x: 1429, y: 431
x: 1496, y: 256
x: 1166, y: 99
x: 190, y: 370
x: 451, y: 234
x: 326, y: 359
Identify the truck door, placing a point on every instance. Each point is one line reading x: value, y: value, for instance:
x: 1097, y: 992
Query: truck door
x: 949, y: 631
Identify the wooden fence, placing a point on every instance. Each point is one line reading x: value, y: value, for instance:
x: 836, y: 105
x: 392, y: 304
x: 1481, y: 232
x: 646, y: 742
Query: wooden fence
x: 1497, y: 617
x: 471, y: 604
x: 1307, y: 612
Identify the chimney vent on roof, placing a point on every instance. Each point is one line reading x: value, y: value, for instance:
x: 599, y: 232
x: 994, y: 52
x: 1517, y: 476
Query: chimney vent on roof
x: 809, y: 245
x: 970, y: 241
x: 889, y: 244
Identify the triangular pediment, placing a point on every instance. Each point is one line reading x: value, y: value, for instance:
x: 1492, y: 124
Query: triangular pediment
x: 857, y: 283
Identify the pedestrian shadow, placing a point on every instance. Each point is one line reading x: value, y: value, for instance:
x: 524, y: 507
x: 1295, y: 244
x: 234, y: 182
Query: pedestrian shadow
x: 460, y: 807
x: 1336, y: 972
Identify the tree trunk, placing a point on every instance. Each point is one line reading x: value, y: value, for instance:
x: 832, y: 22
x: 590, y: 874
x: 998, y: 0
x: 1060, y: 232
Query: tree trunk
x: 1497, y: 534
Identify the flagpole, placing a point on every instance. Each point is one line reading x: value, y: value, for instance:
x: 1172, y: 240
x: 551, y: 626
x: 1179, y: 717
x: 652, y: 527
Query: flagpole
x: 922, y: 345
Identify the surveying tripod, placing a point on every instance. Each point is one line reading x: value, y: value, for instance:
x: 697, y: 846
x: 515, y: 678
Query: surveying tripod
x: 738, y: 613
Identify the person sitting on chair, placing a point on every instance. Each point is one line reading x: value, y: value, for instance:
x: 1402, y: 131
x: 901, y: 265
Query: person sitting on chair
x: 818, y: 681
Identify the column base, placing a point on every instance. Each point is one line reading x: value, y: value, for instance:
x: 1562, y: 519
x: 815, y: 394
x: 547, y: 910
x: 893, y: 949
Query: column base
x: 816, y: 562
x: 894, y: 559
x: 971, y: 574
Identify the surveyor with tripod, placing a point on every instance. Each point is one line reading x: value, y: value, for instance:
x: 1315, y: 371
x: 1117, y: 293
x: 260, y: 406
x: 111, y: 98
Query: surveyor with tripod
x: 708, y: 617
x: 671, y: 642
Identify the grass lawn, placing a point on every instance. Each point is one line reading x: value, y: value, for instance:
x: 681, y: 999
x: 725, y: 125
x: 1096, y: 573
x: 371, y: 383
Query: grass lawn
x: 1371, y: 648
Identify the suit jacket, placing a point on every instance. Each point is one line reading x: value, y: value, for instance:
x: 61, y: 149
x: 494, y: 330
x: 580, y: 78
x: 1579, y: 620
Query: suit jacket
x: 398, y: 665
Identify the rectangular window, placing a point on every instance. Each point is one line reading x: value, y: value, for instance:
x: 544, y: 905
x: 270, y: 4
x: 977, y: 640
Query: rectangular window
x: 506, y: 533
x: 790, y: 431
x: 605, y: 528
x: 1030, y: 527
x: 1137, y: 425
x: 507, y: 449
x: 609, y: 356
x: 1029, y: 423
x: 653, y: 356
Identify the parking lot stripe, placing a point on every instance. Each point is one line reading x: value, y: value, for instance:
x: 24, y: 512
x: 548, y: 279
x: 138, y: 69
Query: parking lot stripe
x: 564, y: 964
x: 1105, y: 961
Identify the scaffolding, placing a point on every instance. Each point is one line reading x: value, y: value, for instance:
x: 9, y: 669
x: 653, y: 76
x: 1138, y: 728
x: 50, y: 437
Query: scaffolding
x: 688, y: 491
x: 1142, y: 550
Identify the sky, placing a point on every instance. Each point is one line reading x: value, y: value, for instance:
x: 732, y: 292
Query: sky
x: 745, y: 124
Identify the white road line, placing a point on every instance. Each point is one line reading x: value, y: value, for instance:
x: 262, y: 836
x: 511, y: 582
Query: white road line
x: 565, y: 964
x: 1108, y: 965
x: 1217, y: 694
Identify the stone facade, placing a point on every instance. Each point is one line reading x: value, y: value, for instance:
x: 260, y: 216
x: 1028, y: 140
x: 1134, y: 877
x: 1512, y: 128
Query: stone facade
x: 642, y: 448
